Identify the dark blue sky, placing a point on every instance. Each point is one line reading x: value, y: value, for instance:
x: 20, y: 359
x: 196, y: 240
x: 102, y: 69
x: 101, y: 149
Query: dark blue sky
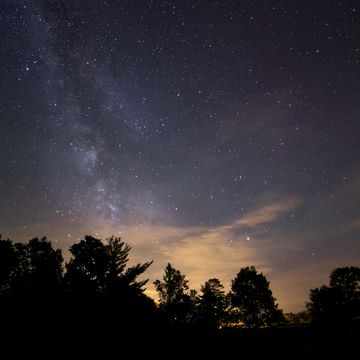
x: 212, y: 134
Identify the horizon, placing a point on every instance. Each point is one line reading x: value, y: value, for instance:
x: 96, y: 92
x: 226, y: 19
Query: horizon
x: 296, y: 304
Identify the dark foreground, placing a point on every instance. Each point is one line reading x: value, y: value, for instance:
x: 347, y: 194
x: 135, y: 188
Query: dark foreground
x: 287, y: 339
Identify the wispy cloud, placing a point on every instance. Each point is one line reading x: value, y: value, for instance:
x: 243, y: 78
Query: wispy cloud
x: 224, y: 249
x: 205, y: 252
x: 218, y: 251
x: 269, y: 212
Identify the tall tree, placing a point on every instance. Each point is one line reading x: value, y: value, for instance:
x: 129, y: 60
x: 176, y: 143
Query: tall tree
x: 174, y: 297
x: 212, y: 304
x: 252, y: 299
x: 104, y: 292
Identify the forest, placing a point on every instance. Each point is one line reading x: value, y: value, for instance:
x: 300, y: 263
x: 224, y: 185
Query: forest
x: 96, y: 302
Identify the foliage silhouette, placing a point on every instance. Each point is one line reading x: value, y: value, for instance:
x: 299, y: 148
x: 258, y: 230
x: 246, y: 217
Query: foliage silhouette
x: 34, y: 267
x: 175, y: 300
x: 96, y: 301
x: 338, y: 302
x: 301, y: 317
x: 101, y: 268
x: 33, y: 287
x: 7, y: 263
x: 212, y: 304
x: 252, y: 300
x: 99, y: 282
x: 348, y: 280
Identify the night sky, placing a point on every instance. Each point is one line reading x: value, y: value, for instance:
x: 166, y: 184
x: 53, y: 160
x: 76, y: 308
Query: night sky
x: 209, y: 134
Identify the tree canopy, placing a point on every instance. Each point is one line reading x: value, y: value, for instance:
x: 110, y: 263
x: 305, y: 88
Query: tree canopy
x: 252, y: 299
x: 175, y: 299
x: 212, y: 304
x: 102, y: 268
x: 97, y: 289
x: 338, y: 302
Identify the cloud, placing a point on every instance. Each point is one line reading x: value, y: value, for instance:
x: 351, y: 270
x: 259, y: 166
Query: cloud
x: 202, y: 253
x: 268, y: 213
x: 212, y: 253
x: 224, y: 249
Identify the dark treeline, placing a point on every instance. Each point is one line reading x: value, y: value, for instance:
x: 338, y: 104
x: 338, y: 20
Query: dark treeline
x: 95, y: 301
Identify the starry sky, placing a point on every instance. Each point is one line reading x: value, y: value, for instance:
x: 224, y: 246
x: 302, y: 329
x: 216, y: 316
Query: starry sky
x: 211, y: 134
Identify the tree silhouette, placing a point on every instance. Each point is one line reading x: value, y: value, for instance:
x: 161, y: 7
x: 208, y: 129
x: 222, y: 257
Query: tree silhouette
x: 212, y: 304
x: 325, y: 303
x: 7, y: 263
x: 104, y: 292
x: 348, y: 280
x: 45, y: 265
x: 97, y: 299
x: 34, y: 267
x: 338, y: 302
x: 32, y: 275
x: 101, y: 268
x: 174, y: 298
x: 252, y: 299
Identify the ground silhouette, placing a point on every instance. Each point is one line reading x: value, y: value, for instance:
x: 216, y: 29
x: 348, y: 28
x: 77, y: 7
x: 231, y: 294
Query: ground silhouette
x: 96, y: 302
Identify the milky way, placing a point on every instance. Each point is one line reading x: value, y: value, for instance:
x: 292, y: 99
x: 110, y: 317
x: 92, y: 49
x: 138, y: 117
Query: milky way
x: 210, y: 134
